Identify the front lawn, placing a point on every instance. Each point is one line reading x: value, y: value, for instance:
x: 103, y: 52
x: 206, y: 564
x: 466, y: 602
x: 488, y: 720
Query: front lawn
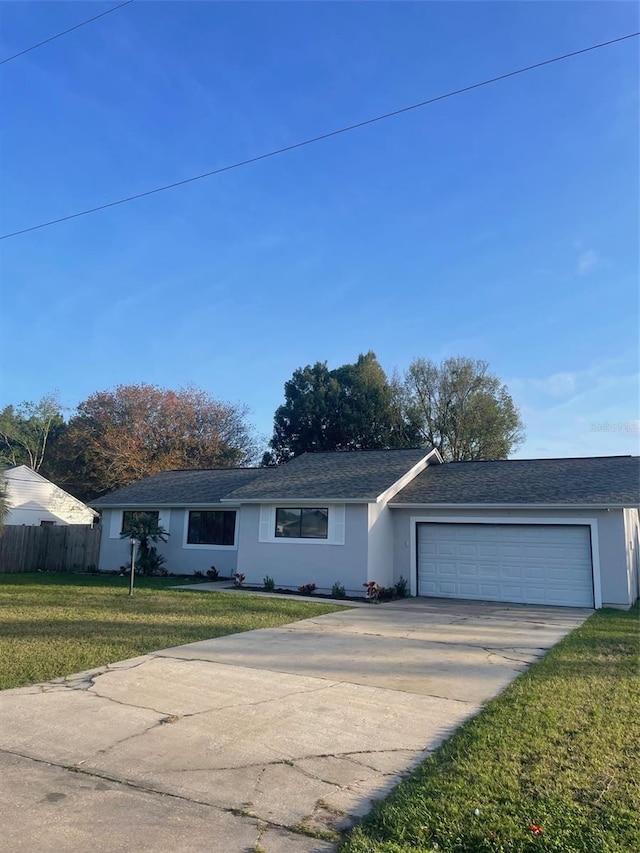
x: 54, y: 624
x: 553, y: 764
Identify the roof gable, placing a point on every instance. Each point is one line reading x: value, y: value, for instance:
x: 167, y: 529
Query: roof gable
x: 29, y: 488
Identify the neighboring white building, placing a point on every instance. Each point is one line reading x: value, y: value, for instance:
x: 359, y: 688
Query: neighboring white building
x: 36, y: 501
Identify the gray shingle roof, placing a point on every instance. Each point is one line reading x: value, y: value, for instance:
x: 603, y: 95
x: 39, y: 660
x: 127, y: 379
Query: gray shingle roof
x: 341, y: 475
x: 604, y: 480
x: 175, y: 488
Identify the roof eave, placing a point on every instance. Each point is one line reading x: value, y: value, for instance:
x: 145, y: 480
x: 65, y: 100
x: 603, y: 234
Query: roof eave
x: 300, y: 501
x: 424, y: 505
x: 160, y: 504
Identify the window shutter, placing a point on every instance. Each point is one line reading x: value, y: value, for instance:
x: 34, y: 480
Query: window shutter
x: 164, y: 518
x: 338, y: 524
x: 115, y: 523
x: 265, y: 533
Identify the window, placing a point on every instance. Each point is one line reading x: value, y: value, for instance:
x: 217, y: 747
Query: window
x: 129, y: 516
x: 301, y: 523
x: 211, y: 527
x: 45, y: 523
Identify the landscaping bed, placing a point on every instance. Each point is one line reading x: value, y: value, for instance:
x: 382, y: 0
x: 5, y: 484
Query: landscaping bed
x: 278, y: 590
x: 374, y: 593
x: 54, y: 624
x: 549, y: 765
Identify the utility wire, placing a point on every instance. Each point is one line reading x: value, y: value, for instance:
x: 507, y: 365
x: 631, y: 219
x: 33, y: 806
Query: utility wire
x: 320, y: 138
x: 64, y: 33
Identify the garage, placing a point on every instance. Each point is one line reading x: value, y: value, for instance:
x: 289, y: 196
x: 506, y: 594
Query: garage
x: 521, y: 563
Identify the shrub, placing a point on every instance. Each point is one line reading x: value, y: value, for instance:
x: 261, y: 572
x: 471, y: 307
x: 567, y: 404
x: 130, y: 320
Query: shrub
x: 386, y: 593
x: 213, y: 573
x: 402, y: 587
x: 307, y: 588
x: 338, y: 591
x: 269, y: 584
x: 149, y: 562
x: 238, y: 579
x: 198, y: 575
x: 375, y: 592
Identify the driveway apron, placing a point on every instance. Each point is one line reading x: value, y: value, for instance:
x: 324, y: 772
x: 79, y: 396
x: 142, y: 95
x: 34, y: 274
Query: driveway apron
x: 274, y: 740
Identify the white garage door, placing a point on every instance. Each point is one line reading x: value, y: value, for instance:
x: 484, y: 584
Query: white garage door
x: 527, y: 563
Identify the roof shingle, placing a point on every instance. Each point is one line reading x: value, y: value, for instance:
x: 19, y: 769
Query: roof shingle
x: 339, y: 475
x: 175, y: 488
x: 603, y: 480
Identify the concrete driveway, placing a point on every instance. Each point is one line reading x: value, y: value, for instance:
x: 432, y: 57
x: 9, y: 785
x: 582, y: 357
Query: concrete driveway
x: 266, y: 741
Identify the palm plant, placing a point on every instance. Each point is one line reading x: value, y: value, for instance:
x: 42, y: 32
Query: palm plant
x: 145, y: 528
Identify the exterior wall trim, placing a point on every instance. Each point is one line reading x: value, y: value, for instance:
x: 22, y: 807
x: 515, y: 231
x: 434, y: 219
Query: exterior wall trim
x: 187, y: 546
x: 171, y: 505
x: 115, y: 523
x: 410, y: 475
x: 289, y: 501
x: 511, y: 506
x: 592, y: 523
x: 266, y: 523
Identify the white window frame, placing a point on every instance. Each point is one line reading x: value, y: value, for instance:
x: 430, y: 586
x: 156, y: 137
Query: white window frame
x: 115, y: 523
x: 190, y: 546
x: 591, y: 523
x: 335, y: 524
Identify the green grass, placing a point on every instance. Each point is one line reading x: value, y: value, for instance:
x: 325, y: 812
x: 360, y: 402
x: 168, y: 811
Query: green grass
x: 55, y: 624
x: 560, y: 748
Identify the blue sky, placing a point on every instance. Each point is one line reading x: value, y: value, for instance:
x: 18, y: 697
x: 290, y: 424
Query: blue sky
x: 500, y: 224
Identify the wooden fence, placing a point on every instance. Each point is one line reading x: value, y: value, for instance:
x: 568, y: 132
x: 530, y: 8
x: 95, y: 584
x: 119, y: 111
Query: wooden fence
x: 63, y: 548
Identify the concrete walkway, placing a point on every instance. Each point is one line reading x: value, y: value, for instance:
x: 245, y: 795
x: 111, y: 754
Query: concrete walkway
x: 271, y: 741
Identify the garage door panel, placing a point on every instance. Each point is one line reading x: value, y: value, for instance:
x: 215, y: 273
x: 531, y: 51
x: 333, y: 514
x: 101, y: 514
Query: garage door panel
x: 468, y: 549
x: 487, y: 571
x: 487, y: 552
x: 506, y: 562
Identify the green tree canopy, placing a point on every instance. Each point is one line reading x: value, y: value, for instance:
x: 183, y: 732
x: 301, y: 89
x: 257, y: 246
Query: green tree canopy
x: 353, y: 407
x: 27, y: 430
x: 461, y: 409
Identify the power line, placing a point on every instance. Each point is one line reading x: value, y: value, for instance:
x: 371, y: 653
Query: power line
x: 320, y: 138
x: 64, y: 32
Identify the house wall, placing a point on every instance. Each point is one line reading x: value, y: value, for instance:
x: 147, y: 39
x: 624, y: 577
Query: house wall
x: 33, y: 499
x: 380, y: 545
x: 180, y: 557
x: 293, y: 563
x: 610, y: 526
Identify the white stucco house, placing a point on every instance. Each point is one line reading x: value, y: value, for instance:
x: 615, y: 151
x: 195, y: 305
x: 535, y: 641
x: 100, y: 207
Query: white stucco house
x: 34, y: 500
x: 542, y: 531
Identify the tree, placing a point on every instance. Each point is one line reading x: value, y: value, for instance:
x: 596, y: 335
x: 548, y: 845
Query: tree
x: 4, y: 499
x: 353, y: 407
x: 461, y: 409
x: 25, y: 431
x: 121, y: 435
x: 145, y: 529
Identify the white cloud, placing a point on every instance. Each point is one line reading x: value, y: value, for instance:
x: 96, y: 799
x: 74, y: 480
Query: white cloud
x: 590, y: 413
x: 587, y: 261
x: 558, y: 384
